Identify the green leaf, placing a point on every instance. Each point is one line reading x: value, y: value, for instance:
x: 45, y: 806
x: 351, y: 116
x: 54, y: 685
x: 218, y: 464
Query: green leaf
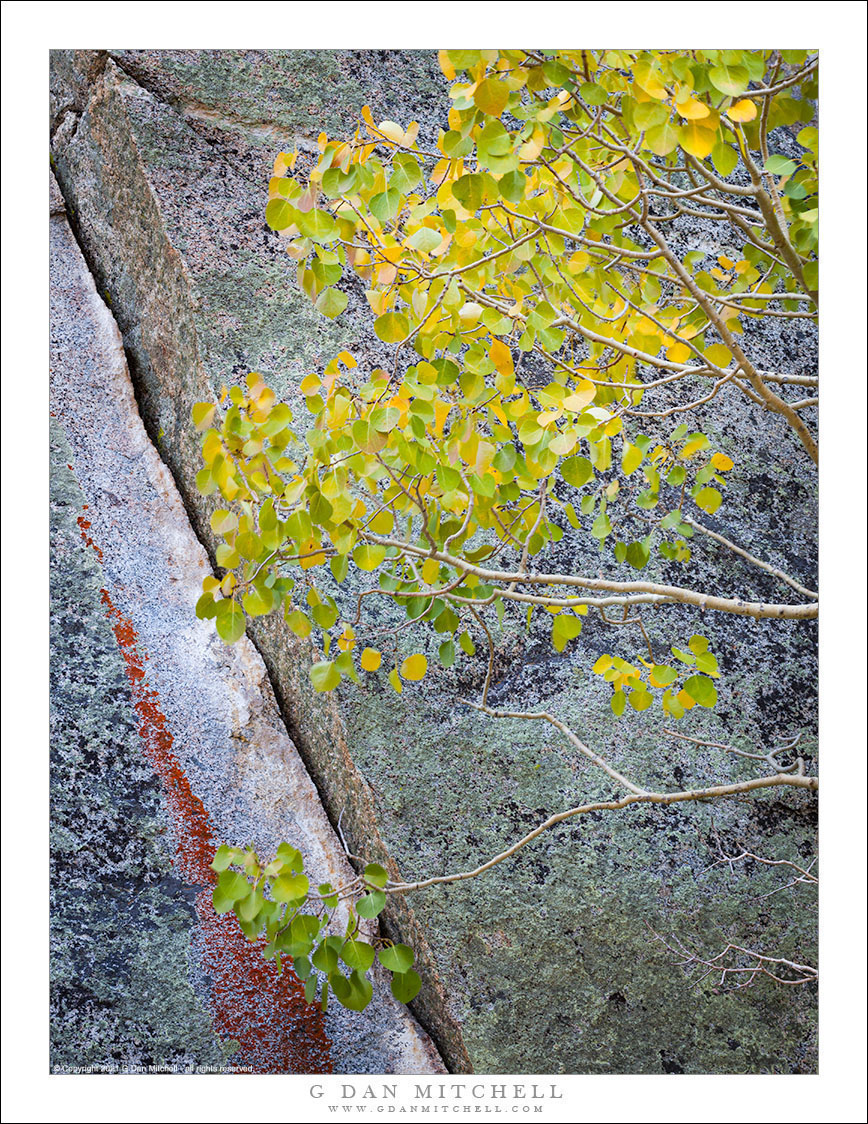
x: 357, y: 954
x: 618, y: 702
x: 513, y: 186
x: 231, y: 887
x: 376, y: 875
x: 230, y: 623
x: 491, y: 96
x: 257, y: 603
x: 224, y: 857
x: 672, y: 706
x: 368, y: 556
x: 406, y: 985
x: 318, y: 226
x: 650, y: 114
x: 565, y: 627
x: 709, y: 499
x: 469, y: 190
x: 250, y: 906
x: 203, y: 415
x: 290, y: 887
x: 724, y: 158
x: 663, y: 674
x: 290, y: 857
x: 354, y: 993
x: 707, y: 663
x: 397, y: 957
x: 331, y: 302
x: 279, y: 214
x: 592, y: 94
x: 730, y: 80
x: 601, y: 527
x: 638, y: 554
x: 780, y: 166
x: 371, y: 904
x: 663, y: 139
x: 701, y: 690
x: 424, y: 239
x: 576, y: 471
x: 302, y: 967
x: 324, y: 676
x: 392, y: 327
x: 299, y: 623
x: 640, y: 699
x: 386, y: 205
x: 325, y: 956
x: 206, y: 607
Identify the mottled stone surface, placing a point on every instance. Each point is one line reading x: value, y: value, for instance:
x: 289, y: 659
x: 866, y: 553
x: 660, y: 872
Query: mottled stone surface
x: 120, y: 920
x: 133, y: 970
x: 546, y: 964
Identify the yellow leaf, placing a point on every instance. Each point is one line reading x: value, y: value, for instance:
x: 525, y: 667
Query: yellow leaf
x: 719, y: 355
x: 693, y: 110
x: 395, y: 680
x: 445, y: 64
x: 491, y: 96
x: 430, y: 570
x: 582, y: 396
x: 371, y: 659
x: 744, y: 110
x: 648, y: 79
x: 393, y: 131
x: 310, y: 548
x: 721, y: 462
x: 678, y: 352
x: 564, y: 443
x: 501, y: 357
x: 382, y: 523
x: 441, y: 412
x: 692, y: 447
x: 203, y: 415
x: 470, y: 313
x: 685, y: 700
x: 414, y: 667
x: 697, y: 141
x: 631, y: 458
x: 533, y: 147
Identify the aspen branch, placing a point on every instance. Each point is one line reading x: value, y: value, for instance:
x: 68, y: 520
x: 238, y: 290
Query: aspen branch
x: 664, y: 798
x: 630, y: 593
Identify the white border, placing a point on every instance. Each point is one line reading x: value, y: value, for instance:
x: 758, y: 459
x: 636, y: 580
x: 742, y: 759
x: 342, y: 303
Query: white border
x: 29, y: 30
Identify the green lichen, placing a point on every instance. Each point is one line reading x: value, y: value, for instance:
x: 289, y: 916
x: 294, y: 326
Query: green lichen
x: 549, y: 958
x: 121, y: 994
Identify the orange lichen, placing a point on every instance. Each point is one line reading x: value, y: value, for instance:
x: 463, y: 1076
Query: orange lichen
x: 84, y: 527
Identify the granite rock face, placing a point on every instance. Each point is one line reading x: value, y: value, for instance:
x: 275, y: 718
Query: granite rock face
x: 548, y: 963
x: 165, y: 742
